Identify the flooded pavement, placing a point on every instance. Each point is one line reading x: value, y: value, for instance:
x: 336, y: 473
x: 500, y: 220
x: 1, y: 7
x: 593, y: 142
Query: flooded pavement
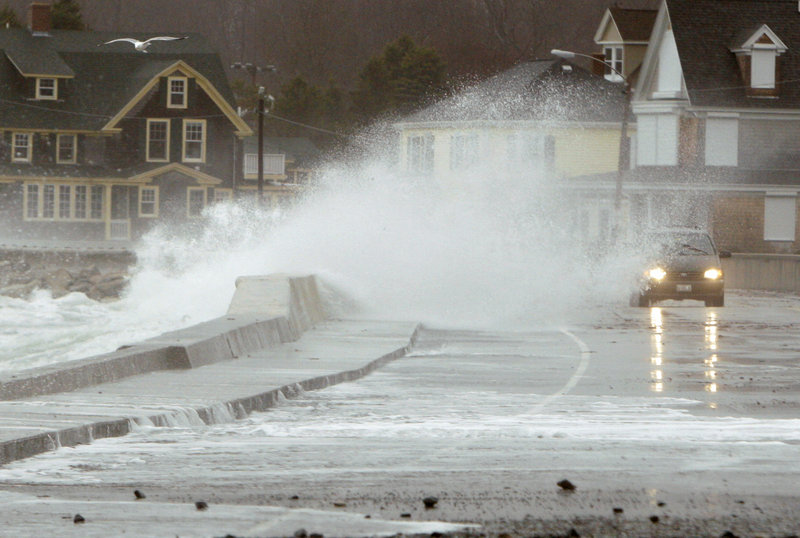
x: 672, y: 420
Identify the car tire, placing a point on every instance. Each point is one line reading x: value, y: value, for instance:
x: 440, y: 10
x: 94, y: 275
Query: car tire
x: 716, y: 301
x: 640, y: 300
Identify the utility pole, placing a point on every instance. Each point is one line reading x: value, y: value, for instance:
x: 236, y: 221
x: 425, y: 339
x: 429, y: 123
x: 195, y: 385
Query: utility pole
x: 261, y: 145
x: 253, y: 70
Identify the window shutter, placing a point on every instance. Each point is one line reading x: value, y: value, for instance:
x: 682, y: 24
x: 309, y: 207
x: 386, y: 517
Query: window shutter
x: 722, y: 142
x: 780, y: 217
x: 646, y: 126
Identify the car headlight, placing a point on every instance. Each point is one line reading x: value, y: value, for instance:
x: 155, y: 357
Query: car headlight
x: 713, y: 274
x: 657, y: 273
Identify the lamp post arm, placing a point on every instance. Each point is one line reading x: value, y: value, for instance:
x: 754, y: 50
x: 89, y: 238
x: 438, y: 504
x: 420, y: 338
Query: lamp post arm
x: 568, y: 54
x: 623, y: 134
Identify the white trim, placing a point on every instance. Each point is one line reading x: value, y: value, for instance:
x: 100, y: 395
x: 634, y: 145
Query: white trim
x: 750, y: 43
x: 501, y: 124
x: 786, y: 193
x: 648, y: 65
x: 601, y: 29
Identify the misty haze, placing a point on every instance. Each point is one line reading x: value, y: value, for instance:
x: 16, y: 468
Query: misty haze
x: 461, y: 268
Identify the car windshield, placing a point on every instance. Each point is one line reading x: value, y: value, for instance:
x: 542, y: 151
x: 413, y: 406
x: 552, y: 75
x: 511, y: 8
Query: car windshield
x: 684, y: 244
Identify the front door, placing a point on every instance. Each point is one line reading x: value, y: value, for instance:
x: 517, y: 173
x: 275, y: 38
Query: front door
x: 120, y: 225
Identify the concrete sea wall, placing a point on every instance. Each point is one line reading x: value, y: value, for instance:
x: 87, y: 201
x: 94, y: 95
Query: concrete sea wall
x: 265, y: 312
x: 770, y: 272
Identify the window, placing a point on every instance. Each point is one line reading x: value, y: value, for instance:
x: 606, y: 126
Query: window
x: 64, y: 202
x: 96, y: 202
x: 463, y: 151
x: 274, y: 163
x: 194, y: 140
x: 195, y: 201
x: 65, y: 150
x: 157, y: 140
x: 222, y: 195
x: 420, y: 153
x: 46, y: 88
x: 31, y: 200
x: 613, y: 61
x: 530, y: 150
x: 148, y: 201
x: 780, y: 217
x: 80, y: 201
x: 176, y: 95
x: 21, y: 147
x: 722, y: 141
x: 49, y: 202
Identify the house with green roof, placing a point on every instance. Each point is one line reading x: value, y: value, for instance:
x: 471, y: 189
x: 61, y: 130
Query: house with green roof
x: 100, y: 141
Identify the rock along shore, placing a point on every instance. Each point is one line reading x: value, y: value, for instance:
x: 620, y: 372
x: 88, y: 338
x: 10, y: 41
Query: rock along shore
x: 101, y: 276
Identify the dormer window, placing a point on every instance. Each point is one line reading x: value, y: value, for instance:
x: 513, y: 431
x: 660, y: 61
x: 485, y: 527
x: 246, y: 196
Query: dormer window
x: 613, y: 61
x: 47, y: 89
x: 762, y: 68
x: 757, y: 53
x: 176, y: 94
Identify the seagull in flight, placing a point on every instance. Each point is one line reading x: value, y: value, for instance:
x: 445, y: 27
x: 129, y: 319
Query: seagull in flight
x: 141, y: 46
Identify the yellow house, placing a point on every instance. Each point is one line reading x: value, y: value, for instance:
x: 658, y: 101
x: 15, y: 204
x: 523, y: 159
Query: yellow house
x: 547, y: 117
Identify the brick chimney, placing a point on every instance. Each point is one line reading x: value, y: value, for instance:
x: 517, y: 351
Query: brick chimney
x: 39, y: 17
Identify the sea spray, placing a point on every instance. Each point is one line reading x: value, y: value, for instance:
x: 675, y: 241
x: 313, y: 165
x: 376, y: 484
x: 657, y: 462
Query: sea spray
x: 487, y: 246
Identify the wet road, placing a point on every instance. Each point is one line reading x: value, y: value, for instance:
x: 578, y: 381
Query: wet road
x: 673, y: 420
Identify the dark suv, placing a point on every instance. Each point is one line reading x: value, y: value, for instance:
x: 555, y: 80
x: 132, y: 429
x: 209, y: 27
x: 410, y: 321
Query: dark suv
x: 684, y: 265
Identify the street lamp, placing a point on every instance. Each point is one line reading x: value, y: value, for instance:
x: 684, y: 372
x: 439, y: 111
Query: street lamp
x: 623, y: 134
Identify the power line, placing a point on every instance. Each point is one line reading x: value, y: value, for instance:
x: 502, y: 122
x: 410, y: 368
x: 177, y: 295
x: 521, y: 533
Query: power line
x: 88, y: 114
x: 108, y: 117
x: 320, y: 129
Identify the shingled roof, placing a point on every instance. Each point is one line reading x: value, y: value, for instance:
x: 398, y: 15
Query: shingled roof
x: 102, y: 79
x: 704, y: 31
x: 544, y: 90
x: 634, y: 24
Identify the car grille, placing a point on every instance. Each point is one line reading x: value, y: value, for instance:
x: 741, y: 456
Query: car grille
x: 684, y: 276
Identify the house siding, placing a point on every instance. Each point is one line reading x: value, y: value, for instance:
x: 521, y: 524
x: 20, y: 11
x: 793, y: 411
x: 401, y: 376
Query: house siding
x: 769, y: 144
x: 587, y: 151
x: 738, y: 225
